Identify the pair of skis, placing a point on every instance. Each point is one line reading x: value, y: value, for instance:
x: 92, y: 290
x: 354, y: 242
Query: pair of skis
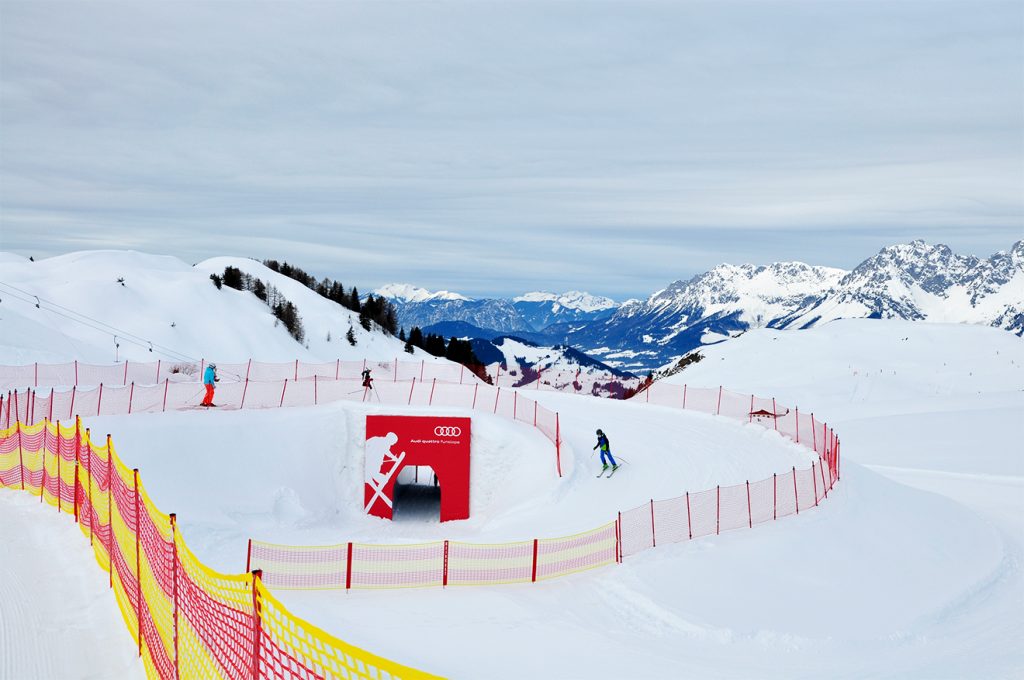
x: 610, y: 470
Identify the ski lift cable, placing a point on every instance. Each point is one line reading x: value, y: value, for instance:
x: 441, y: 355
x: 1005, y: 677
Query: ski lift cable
x: 84, y: 316
x: 95, y: 324
x: 111, y: 329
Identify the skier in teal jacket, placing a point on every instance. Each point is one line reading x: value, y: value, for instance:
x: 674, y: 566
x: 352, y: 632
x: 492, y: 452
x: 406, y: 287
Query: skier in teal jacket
x: 209, y: 378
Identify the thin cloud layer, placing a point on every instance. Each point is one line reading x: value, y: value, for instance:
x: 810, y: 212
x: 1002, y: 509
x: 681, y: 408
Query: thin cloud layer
x: 497, y: 148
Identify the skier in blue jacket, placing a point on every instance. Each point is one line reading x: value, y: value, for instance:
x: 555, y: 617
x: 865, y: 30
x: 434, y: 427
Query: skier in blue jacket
x: 602, y: 441
x: 209, y: 378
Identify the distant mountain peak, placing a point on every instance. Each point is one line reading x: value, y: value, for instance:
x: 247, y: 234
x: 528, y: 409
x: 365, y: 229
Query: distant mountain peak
x: 410, y: 293
x: 573, y: 299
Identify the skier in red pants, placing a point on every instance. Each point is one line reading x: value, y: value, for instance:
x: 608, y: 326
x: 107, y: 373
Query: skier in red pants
x: 209, y: 378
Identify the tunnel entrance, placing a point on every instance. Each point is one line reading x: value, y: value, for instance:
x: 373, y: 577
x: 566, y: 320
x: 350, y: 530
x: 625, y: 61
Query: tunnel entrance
x: 417, y: 495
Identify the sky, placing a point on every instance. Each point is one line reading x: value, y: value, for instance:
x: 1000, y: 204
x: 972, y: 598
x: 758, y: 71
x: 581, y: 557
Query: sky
x: 493, y: 148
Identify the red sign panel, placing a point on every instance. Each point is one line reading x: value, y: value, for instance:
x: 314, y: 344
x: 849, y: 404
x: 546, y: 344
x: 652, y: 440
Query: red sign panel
x: 442, y: 443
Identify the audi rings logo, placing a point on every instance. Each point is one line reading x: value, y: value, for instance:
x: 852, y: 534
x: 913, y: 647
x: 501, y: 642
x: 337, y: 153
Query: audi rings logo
x: 448, y: 431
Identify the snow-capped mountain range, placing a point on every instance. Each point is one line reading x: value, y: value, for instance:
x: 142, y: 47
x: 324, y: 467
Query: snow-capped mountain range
x: 914, y: 281
x: 523, y: 314
x: 919, y: 282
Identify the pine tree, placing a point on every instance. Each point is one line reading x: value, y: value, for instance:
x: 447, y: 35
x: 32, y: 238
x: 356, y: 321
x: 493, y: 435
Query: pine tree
x: 351, y: 336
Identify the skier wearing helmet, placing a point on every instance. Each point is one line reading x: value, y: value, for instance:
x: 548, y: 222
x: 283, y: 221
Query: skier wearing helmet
x: 602, y: 441
x: 209, y: 378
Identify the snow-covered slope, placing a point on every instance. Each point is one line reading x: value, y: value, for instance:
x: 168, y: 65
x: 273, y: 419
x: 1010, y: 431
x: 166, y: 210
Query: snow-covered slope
x: 921, y: 282
x: 166, y: 306
x: 881, y: 580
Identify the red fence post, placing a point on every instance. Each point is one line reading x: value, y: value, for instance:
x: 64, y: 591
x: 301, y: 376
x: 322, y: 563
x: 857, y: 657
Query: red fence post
x: 775, y: 496
x: 157, y: 381
x: 248, y: 367
x: 444, y: 576
x: 815, y: 480
x: 689, y: 523
x: 750, y: 515
x: 814, y: 436
x: 430, y: 402
x: 131, y: 396
x: 515, y: 404
x: 88, y: 471
x: 283, y: 389
x: 533, y: 578
x: 718, y: 410
x: 138, y: 558
x: 497, y: 396
x: 42, y: 486
x: 99, y: 402
x: 315, y: 396
x: 824, y: 486
x: 411, y: 388
x: 618, y: 539
x: 248, y: 556
x: 775, y: 414
x: 76, y: 372
x: 475, y: 388
x: 21, y: 455
x: 684, y: 396
x: 257, y: 623
x: 795, y: 494
x: 423, y: 363
x: 174, y: 587
x: 59, y: 508
x: 535, y: 414
x: 110, y: 510
x: 50, y: 415
x: 750, y: 418
x: 167, y: 384
x: 654, y: 537
x: 348, y: 568
x: 125, y: 382
x: 71, y: 408
x: 296, y: 369
x: 718, y: 508
x: 78, y: 464
x: 797, y: 424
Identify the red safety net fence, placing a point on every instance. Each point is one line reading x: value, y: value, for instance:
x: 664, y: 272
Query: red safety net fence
x: 712, y: 511
x: 686, y: 517
x: 32, y: 405
x: 440, y: 563
x: 79, y: 374
x: 187, y: 620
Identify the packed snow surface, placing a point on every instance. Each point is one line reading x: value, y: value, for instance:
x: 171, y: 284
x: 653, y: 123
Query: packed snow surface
x: 911, y: 568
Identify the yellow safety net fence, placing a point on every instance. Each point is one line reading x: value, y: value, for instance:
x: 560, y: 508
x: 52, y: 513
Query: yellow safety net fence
x: 188, y: 620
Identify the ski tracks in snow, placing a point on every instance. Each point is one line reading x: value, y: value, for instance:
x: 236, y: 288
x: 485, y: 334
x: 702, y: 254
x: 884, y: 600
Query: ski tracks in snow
x: 57, y: 617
